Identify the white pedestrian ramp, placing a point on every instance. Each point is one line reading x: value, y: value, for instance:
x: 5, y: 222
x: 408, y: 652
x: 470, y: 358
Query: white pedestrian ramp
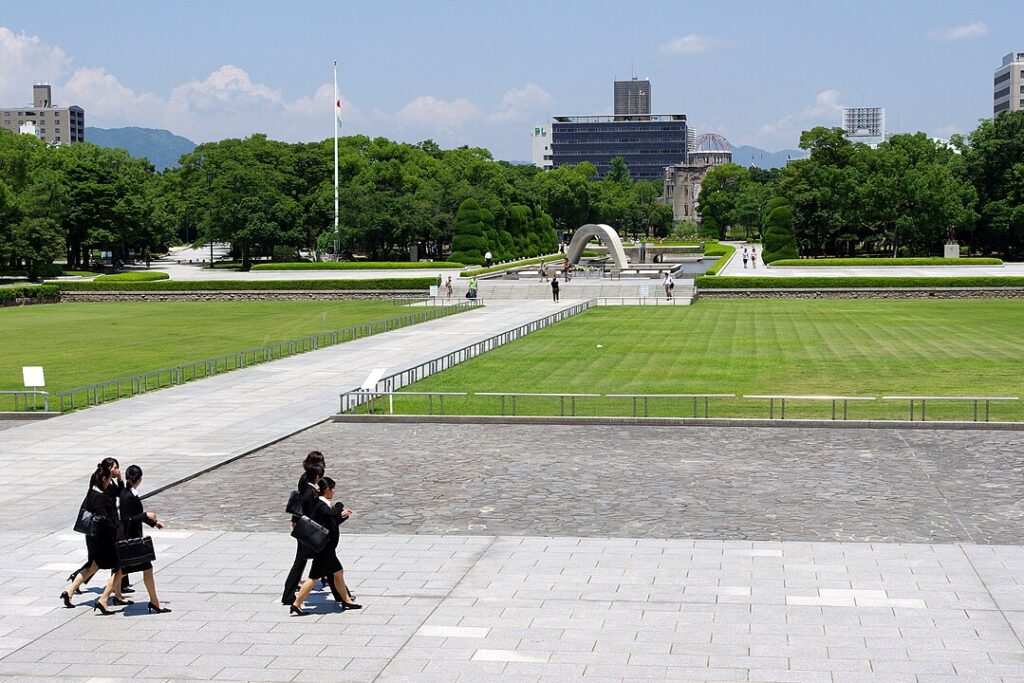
x: 633, y: 292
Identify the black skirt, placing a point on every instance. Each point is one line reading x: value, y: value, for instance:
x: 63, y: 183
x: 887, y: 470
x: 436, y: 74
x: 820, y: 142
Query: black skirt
x: 325, y: 564
x: 103, y: 551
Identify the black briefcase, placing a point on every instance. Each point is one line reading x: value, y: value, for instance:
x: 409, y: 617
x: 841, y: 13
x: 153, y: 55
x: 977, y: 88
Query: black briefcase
x: 135, y: 551
x: 294, y: 506
x: 310, y: 534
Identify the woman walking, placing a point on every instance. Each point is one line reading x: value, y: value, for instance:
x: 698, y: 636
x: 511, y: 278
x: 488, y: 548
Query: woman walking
x: 326, y: 562
x: 101, y: 542
x: 133, y: 514
x: 309, y: 492
x: 113, y: 491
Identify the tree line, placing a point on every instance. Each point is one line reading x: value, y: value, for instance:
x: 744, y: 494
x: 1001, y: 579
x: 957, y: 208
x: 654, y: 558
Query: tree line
x: 270, y: 198
x: 906, y: 197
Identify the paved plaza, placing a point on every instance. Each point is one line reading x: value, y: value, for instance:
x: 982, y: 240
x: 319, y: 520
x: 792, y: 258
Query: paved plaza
x: 519, y: 553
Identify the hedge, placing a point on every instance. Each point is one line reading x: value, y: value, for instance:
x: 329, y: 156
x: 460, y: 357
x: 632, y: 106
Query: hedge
x: 225, y: 285
x: 510, y: 264
x: 8, y: 294
x: 726, y: 251
x: 919, y: 261
x: 135, y: 276
x: 358, y: 265
x: 717, y: 249
x: 739, y: 282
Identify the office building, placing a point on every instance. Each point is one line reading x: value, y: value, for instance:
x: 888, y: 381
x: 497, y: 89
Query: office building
x: 57, y: 125
x: 648, y: 143
x: 864, y: 124
x: 633, y: 97
x: 1008, y: 85
x: 540, y: 140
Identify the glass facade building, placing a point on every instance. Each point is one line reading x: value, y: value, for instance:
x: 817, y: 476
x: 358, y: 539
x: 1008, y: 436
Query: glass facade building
x: 647, y: 143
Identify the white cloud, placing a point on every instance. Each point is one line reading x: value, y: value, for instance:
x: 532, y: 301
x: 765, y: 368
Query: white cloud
x: 25, y: 60
x: 826, y: 110
x: 690, y: 44
x: 947, y: 131
x: 975, y: 29
x: 518, y: 104
x: 103, y: 96
x: 432, y: 114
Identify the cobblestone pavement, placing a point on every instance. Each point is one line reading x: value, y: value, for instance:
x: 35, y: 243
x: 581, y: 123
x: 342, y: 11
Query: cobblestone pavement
x: 634, y: 482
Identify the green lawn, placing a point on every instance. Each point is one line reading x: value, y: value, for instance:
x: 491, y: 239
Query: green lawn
x: 942, y: 348
x: 84, y: 343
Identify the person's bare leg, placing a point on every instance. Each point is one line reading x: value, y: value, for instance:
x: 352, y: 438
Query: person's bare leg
x: 81, y: 577
x: 304, y: 590
x: 339, y: 581
x: 115, y: 579
x: 147, y: 578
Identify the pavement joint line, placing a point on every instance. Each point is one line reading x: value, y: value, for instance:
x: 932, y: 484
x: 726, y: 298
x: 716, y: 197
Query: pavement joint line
x: 995, y: 602
x: 440, y: 601
x: 931, y: 480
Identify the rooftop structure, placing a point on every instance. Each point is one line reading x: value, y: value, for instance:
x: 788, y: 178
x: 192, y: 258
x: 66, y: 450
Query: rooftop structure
x: 633, y: 97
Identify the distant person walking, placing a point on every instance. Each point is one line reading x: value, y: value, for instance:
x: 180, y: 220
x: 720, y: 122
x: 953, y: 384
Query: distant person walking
x: 745, y: 257
x: 543, y: 273
x: 753, y: 257
x: 471, y: 294
x: 448, y: 287
x: 489, y: 259
x: 554, y: 288
x: 567, y: 269
x: 133, y: 515
x: 309, y: 493
x: 669, y: 284
x: 100, y: 539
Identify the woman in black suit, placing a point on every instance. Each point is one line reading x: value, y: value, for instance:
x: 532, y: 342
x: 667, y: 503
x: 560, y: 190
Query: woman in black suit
x: 313, y: 469
x: 326, y: 562
x: 133, y: 515
x: 102, y: 543
x: 113, y: 491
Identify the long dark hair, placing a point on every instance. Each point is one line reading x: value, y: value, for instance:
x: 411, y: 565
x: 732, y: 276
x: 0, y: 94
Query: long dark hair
x: 102, y: 472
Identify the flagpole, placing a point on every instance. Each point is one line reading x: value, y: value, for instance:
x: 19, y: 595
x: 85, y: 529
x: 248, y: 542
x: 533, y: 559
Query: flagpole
x: 337, y: 113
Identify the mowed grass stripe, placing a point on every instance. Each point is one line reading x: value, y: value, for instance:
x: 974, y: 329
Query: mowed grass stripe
x: 971, y: 347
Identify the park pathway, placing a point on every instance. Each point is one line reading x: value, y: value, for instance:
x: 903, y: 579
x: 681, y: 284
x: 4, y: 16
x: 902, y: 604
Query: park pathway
x: 181, y: 431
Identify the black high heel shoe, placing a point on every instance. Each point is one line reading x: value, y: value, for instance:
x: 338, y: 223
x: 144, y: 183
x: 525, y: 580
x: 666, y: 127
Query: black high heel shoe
x: 67, y: 600
x: 350, y: 605
x: 292, y: 609
x: 122, y: 603
x: 102, y: 608
x: 150, y: 607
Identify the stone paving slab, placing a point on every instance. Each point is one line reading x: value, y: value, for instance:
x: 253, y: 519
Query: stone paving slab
x: 176, y: 432
x: 927, y: 486
x: 472, y: 608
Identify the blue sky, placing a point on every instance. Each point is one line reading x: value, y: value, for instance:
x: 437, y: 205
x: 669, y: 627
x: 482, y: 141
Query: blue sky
x: 481, y: 73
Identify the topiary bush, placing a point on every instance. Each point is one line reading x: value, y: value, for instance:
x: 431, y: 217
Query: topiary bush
x: 133, y: 276
x: 468, y: 242
x: 779, y: 236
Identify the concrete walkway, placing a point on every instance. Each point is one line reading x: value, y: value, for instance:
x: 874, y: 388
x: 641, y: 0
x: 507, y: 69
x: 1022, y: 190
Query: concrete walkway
x: 176, y: 432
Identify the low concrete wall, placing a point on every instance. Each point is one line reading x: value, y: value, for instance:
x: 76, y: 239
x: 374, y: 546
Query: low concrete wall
x: 880, y: 293
x: 242, y: 295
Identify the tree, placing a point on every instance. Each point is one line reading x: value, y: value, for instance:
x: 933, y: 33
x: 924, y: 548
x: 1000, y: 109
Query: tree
x: 993, y: 161
x: 468, y: 242
x: 779, y: 237
x: 618, y: 172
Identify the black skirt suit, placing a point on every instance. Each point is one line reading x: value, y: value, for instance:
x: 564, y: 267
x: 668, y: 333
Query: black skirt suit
x: 132, y: 517
x: 326, y: 561
x: 102, y: 544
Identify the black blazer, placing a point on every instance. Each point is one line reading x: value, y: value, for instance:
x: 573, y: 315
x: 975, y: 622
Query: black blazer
x: 104, y: 511
x: 133, y: 515
x: 308, y: 495
x: 330, y: 518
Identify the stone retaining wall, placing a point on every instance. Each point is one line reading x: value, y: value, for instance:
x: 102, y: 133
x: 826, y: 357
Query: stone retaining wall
x: 31, y: 301
x: 242, y: 295
x: 848, y: 293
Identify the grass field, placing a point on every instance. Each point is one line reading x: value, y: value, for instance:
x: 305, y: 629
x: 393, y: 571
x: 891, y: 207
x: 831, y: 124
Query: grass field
x: 870, y: 348
x: 80, y: 344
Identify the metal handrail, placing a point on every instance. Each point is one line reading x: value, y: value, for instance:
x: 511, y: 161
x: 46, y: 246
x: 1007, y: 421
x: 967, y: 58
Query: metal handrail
x: 24, y: 394
x: 707, y: 398
x: 423, y: 370
x: 771, y: 398
x: 975, y: 399
x: 514, y: 396
x: 124, y: 387
x: 369, y: 396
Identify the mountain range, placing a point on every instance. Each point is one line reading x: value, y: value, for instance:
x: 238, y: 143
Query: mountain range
x: 162, y: 147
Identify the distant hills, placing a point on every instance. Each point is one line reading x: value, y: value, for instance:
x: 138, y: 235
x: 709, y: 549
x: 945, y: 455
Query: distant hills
x: 745, y: 155
x: 162, y: 147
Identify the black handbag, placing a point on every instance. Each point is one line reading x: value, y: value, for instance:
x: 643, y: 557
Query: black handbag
x: 87, y: 523
x: 294, y: 506
x: 310, y: 534
x: 134, y: 551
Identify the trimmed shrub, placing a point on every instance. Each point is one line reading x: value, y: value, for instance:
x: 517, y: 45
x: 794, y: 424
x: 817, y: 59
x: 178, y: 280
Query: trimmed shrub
x: 734, y: 282
x: 359, y: 265
x: 133, y: 276
x: 779, y: 236
x: 8, y: 295
x: 232, y: 285
x: 725, y: 252
x: 282, y: 253
x: 911, y: 261
x: 468, y: 242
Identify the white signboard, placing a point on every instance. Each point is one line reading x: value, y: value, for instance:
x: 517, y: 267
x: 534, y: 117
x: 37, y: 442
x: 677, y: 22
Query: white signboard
x: 370, y: 383
x: 33, y: 376
x: 433, y: 291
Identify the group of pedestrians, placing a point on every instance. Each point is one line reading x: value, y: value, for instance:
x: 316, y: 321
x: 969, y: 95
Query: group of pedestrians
x: 751, y: 256
x: 316, y: 505
x: 111, y: 515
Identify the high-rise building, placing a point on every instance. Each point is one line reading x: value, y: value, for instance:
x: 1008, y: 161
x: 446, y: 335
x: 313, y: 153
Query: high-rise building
x: 1008, y: 85
x: 648, y: 143
x: 633, y: 97
x: 864, y: 124
x: 541, y: 147
x: 52, y: 124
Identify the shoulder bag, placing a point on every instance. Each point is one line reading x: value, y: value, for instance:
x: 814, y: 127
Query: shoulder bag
x: 310, y: 534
